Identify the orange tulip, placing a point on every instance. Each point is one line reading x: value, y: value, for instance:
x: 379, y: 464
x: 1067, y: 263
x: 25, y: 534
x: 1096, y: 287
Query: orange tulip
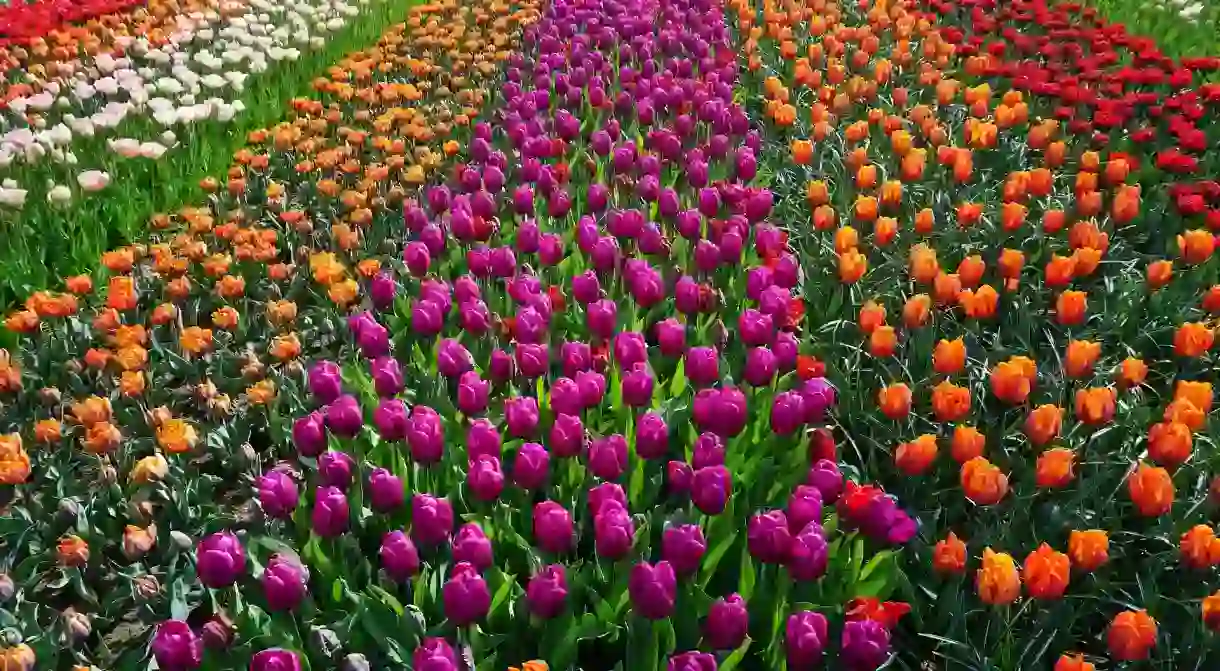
x: 885, y: 229
x: 917, y: 310
x: 1095, y: 405
x: 1193, y: 339
x: 1073, y: 663
x: 1060, y: 270
x: 916, y: 457
x: 1200, y: 548
x: 949, y: 555
x: 980, y: 304
x: 1055, y: 468
x: 925, y: 220
x: 1043, y: 424
x: 1089, y: 549
x: 969, y: 214
x: 949, y: 357
x: 802, y: 152
x: 998, y: 580
x: 1211, y: 300
x: 1169, y: 443
x: 866, y: 177
x: 1070, y: 307
x: 1131, y: 635
x: 1183, y: 411
x: 846, y: 239
x: 872, y: 316
x: 1198, y: 393
x: 1080, y: 357
x: 967, y: 444
x: 1151, y: 490
x: 883, y: 341
x: 1046, y: 573
x: 950, y: 402
x: 1010, y: 263
x: 1012, y: 380
x: 895, y: 400
x: 824, y: 218
x: 923, y: 264
x: 1159, y: 274
x: 1085, y: 260
x: 817, y: 193
x: 852, y: 266
x: 1126, y: 204
x: 1132, y: 372
x: 1012, y: 216
x: 1196, y: 246
x: 982, y: 482
x: 867, y: 208
x: 970, y: 271
x: 947, y: 288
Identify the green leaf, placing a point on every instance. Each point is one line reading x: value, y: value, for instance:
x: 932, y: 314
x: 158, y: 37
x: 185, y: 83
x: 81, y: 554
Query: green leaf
x: 678, y: 384
x: 748, y: 575
x: 739, y: 654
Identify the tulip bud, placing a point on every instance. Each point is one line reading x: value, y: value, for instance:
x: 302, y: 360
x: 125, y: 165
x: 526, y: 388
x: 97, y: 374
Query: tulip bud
x: 683, y: 547
x: 727, y: 623
x: 324, y: 641
x: 547, y: 592
x: 8, y: 589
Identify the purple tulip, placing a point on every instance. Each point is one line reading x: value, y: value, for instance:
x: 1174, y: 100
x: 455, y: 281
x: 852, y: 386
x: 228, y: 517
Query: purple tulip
x: 387, y: 376
x: 391, y: 419
x: 758, y: 279
x: 335, y: 469
x: 417, y: 258
x: 827, y: 479
x: 425, y: 435
x: 727, y: 623
x: 530, y: 466
x: 344, y: 417
x: 602, y: 317
x: 452, y: 359
x: 528, y: 237
x: 630, y: 350
x: 575, y: 357
x: 551, y: 249
x: 431, y: 519
x: 567, y: 437
x: 805, y: 638
x: 637, y: 388
x: 809, y: 555
x: 866, y: 645
x: 325, y: 381
x: 521, y: 415
x: 592, y: 388
x: 722, y: 411
x: 472, y: 394
x: 219, y: 560
x: 787, y: 413
x: 702, y: 366
x: 465, y: 595
x: 330, y: 512
x: 755, y: 328
x: 608, y: 457
x: 434, y: 654
x: 484, y: 478
x: 275, y: 659
x: 386, y: 492
x: 613, y: 530
x: 671, y: 336
x: 786, y: 349
x: 474, y: 317
x: 688, y: 296
x: 708, y: 450
x: 176, y: 647
x: 683, y: 547
x: 709, y: 202
x: 547, y: 592
x: 711, y: 488
x: 692, y: 661
x: 707, y: 256
x: 760, y: 367
x: 482, y: 439
x: 502, y: 367
x: 532, y: 359
x: 819, y: 398
x: 804, y: 506
x: 678, y: 477
x: 285, y: 583
x: 399, y: 557
x: 426, y: 318
x: 277, y: 493
x: 652, y: 589
x: 372, y: 338
x: 768, y: 537
x: 471, y: 545
x: 309, y: 434
x: 553, y: 527
x: 565, y: 397
x: 651, y: 437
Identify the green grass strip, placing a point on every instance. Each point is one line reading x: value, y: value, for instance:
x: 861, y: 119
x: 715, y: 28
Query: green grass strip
x: 43, y: 242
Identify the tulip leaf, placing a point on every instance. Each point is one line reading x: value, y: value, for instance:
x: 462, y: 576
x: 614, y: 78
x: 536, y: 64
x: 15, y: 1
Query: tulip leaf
x: 748, y: 576
x: 678, y: 384
x: 712, y: 560
x: 730, y: 663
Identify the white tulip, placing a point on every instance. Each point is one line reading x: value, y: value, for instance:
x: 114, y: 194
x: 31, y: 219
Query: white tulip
x: 59, y: 134
x: 12, y: 197
x: 153, y: 150
x: 70, y: 158
x: 59, y: 194
x: 168, y: 138
x: 42, y: 101
x: 106, y: 86
x: 225, y: 112
x: 125, y: 147
x: 9, y: 183
x: 93, y: 180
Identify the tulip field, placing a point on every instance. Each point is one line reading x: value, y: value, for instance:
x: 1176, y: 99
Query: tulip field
x: 631, y: 335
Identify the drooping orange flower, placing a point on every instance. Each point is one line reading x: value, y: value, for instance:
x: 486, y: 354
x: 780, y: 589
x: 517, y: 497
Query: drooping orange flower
x: 72, y: 550
x: 1193, y: 339
x: 1131, y: 372
x: 983, y: 482
x: 195, y: 340
x: 1089, y: 549
x: 950, y: 402
x: 1073, y: 663
x: 949, y: 555
x: 968, y: 443
x: 1070, y: 308
x: 1055, y: 468
x: 1046, y: 573
x: 1151, y: 490
x: 916, y: 457
x: 1169, y: 443
x: 1012, y: 380
x: 1200, y: 548
x: 1095, y: 405
x: 998, y: 581
x: 1043, y: 424
x: 895, y: 400
x: 1132, y: 634
x: 949, y: 356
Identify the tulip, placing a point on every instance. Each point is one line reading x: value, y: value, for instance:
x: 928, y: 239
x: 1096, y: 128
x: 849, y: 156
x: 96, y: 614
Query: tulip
x: 426, y: 318
x: 728, y: 622
x: 325, y: 381
x: 330, y: 512
x: 532, y: 360
x: 176, y: 647
x: 383, y: 290
x: 711, y: 488
x: 630, y: 350
x: 471, y: 545
x: 760, y: 367
x: 220, y: 560
x: 399, y: 557
x: 592, y: 388
x: 484, y: 478
x: 472, y: 393
x: 652, y: 589
x: 692, y: 661
x: 425, y: 435
x: 431, y: 519
x: 386, y: 492
x: 275, y: 659
x: 547, y: 592
x: 613, y: 531
x: 678, y: 477
x: 391, y: 419
x: 285, y: 583
x: 553, y: 527
x: 277, y: 493
x: 521, y: 415
x: 683, y: 547
x: 465, y: 595
x: 721, y: 410
x: 671, y: 336
x: 866, y: 645
x: 637, y: 388
x: 482, y: 440
x: 530, y: 466
x: 309, y: 434
x: 387, y: 376
x: 824, y: 475
x: 804, y: 506
x: 768, y: 537
x: 434, y: 654
x: 819, y: 397
x: 651, y: 437
x: 608, y: 457
x: 452, y: 359
x: 702, y: 365
x: 805, y: 637
x: 335, y: 469
x: 344, y: 417
x: 787, y: 413
x: 575, y: 357
x: 602, y: 317
x: 809, y: 555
